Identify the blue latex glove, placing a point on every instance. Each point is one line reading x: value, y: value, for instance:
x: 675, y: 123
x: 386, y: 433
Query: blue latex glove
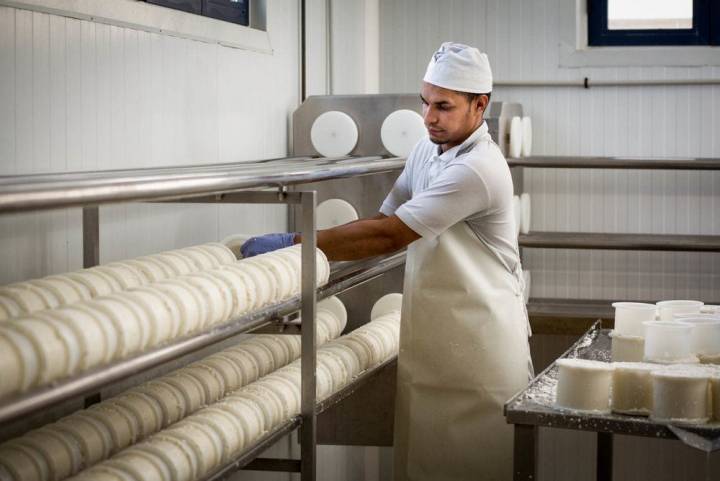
x: 266, y: 243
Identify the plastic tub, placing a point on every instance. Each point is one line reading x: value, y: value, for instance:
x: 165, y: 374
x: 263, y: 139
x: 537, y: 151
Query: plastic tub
x: 668, y: 342
x: 630, y: 316
x: 668, y: 309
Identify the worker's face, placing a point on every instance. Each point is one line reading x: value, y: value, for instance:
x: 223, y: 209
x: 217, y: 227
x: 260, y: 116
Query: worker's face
x: 449, y: 116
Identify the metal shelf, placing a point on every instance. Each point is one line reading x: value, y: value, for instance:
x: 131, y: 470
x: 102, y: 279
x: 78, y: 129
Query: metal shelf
x: 82, y: 189
x: 603, y: 241
x: 577, y: 162
x: 247, y: 456
x: 347, y: 276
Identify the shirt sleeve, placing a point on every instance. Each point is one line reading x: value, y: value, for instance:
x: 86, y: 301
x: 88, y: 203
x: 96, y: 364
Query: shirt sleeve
x: 399, y: 194
x: 456, y: 194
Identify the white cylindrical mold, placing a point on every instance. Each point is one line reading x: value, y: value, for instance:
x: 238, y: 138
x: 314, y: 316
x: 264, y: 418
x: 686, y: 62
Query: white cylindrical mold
x: 704, y: 336
x: 627, y: 348
x: 680, y: 395
x: 584, y: 385
x: 629, y: 317
x: 668, y: 342
x: 632, y: 391
x: 668, y: 309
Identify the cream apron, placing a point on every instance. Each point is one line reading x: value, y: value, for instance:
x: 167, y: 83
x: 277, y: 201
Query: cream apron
x: 463, y: 353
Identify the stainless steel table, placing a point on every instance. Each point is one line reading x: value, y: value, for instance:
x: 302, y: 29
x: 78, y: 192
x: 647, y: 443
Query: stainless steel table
x: 534, y: 408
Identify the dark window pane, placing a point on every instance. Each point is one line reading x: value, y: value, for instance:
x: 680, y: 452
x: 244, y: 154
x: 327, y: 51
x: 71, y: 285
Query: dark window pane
x: 236, y: 11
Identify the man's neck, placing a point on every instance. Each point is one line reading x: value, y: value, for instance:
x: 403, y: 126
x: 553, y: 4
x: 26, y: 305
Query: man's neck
x: 445, y: 147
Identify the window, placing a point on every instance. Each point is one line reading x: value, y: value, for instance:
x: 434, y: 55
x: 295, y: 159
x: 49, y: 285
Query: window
x: 235, y: 11
x: 653, y: 22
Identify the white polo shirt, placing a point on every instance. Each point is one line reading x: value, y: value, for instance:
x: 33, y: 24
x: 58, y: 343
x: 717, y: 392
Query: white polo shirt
x: 469, y: 183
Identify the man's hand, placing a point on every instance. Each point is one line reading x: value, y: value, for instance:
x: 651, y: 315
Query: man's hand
x: 267, y: 243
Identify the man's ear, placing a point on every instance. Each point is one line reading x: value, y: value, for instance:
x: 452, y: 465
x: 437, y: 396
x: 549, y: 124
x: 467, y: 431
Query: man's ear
x: 483, y: 101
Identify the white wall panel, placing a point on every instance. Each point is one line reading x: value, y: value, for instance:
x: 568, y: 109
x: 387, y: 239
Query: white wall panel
x: 78, y: 95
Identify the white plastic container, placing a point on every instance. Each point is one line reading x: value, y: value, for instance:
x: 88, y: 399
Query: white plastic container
x: 668, y: 309
x: 705, y: 335
x: 630, y: 316
x: 584, y: 385
x: 668, y: 342
x: 627, y: 348
x: 680, y: 395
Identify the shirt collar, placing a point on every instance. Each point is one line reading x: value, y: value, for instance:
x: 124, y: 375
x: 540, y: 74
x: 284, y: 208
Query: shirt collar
x: 463, y: 148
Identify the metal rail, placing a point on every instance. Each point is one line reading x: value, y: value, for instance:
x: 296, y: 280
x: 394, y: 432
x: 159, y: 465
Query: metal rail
x: 28, y: 193
x: 649, y: 163
x: 604, y: 241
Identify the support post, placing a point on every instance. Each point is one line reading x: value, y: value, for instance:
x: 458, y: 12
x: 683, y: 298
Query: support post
x: 604, y: 460
x: 91, y: 236
x: 525, y: 453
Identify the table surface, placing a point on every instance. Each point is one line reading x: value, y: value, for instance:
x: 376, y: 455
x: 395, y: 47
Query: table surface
x: 536, y: 404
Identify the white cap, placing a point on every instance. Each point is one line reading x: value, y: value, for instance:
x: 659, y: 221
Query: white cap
x: 459, y: 67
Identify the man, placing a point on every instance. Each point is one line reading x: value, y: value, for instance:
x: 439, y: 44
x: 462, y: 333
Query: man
x: 464, y: 332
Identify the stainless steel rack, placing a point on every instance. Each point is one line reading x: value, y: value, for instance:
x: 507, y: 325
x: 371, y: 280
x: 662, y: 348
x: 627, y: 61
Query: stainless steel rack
x: 217, y: 183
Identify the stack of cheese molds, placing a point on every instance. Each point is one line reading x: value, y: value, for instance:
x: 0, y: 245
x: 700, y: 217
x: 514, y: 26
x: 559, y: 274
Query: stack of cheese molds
x: 106, y: 325
x: 178, y: 444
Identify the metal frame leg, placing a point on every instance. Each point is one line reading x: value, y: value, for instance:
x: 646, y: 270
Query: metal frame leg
x: 525, y: 453
x: 604, y: 458
x: 308, y: 429
x: 91, y: 236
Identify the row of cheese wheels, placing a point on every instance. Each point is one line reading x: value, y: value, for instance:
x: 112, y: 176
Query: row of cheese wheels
x: 86, y: 437
x: 56, y: 343
x: 26, y: 297
x: 214, y: 436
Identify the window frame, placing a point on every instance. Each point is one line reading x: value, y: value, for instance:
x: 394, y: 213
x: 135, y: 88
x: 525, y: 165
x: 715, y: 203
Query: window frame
x: 705, y: 31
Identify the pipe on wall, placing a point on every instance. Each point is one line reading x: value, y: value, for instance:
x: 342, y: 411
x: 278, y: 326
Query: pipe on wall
x: 587, y: 83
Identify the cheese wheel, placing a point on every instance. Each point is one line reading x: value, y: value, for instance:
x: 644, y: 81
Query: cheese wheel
x: 29, y: 362
x: 118, y: 421
x: 322, y: 264
x: 286, y: 392
x: 273, y: 402
x: 330, y: 322
x: 176, y: 265
x: 50, y: 350
x: 222, y: 287
x: 151, y: 269
x: 159, y: 322
x: 147, y: 411
x: 22, y: 462
x: 390, y: 330
x: 212, y: 296
x: 247, y: 283
x: 584, y: 385
x: 8, y: 307
x: 231, y: 375
x: 140, y: 465
x: 211, y: 381
x: 248, y: 414
x: 170, y: 399
x: 27, y: 298
x: 334, y: 363
x: 347, y: 357
x: 238, y: 295
x: 293, y: 344
x: 283, y: 269
x: 263, y: 280
x: 246, y: 362
x: 104, y: 473
x: 47, y: 297
x: 324, y: 382
x: 262, y: 355
x: 291, y: 374
x: 90, y: 334
x: 82, y: 291
x: 680, y: 396
x: 107, y: 326
x: 98, y: 283
x: 361, y: 350
x: 131, y: 324
x: 126, y: 275
x: 197, y: 313
x: 219, y: 251
x: 203, y: 440
x: 12, y: 362
x: 336, y: 306
x: 632, y: 388
x: 280, y: 350
x: 62, y: 291
x: 386, y: 304
x: 192, y: 391
x: 227, y: 427
x: 199, y: 259
x: 177, y: 455
x: 268, y: 410
x: 172, y: 309
x: 92, y: 436
x: 61, y: 454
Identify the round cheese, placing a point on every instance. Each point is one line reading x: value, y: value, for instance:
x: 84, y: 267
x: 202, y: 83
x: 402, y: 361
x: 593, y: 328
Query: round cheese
x: 212, y: 297
x: 247, y: 284
x: 23, y: 463
x: 219, y: 251
x: 246, y: 363
x: 150, y: 268
x: 177, y: 455
x: 82, y: 292
x: 192, y: 391
x: 274, y: 403
x: 230, y: 373
x: 93, y: 437
x: 206, y: 444
x: 172, y: 310
x: 23, y: 368
x: 632, y: 388
x: 263, y: 280
x: 285, y: 391
x: 106, y: 325
x: 257, y: 399
x: 233, y: 285
x: 97, y: 282
x: 248, y: 414
x: 212, y: 256
x: 60, y: 454
x: 121, y: 425
x: 347, y: 357
x: 262, y: 355
x: 211, y: 381
x: 199, y: 260
x: 197, y: 312
x: 361, y: 351
x: 133, y: 333
x: 140, y: 465
x: 104, y: 473
x: 177, y: 265
x: 170, y: 399
x: 160, y: 324
x: 147, y: 411
x: 324, y: 382
x: 680, y: 396
x: 280, y: 350
x: 227, y: 428
x: 50, y: 350
x: 584, y: 385
x: 126, y: 275
x: 27, y: 298
x: 61, y: 291
x: 338, y: 372
x: 8, y: 308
